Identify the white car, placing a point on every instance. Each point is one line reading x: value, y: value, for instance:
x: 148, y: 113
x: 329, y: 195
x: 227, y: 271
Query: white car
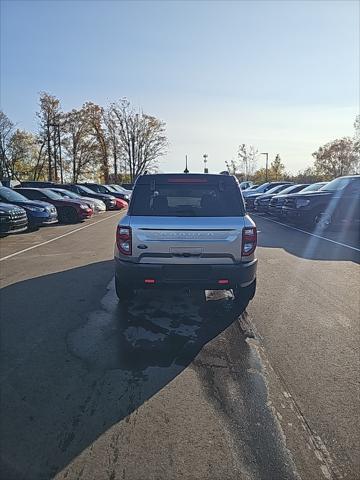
x: 120, y: 189
x: 96, y: 205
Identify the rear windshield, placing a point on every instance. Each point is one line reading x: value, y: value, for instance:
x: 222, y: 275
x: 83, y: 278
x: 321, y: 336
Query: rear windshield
x: 187, y: 201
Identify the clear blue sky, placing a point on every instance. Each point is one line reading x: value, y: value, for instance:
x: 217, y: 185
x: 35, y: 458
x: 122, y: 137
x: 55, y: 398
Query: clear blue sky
x: 282, y: 75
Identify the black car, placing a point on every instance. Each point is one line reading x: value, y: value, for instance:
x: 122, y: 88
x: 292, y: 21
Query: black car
x: 83, y: 191
x: 337, y: 203
x: 252, y: 201
x: 277, y: 201
x: 251, y: 195
x: 38, y: 212
x: 104, y: 189
x: 38, y: 184
x: 13, y: 219
x: 127, y: 186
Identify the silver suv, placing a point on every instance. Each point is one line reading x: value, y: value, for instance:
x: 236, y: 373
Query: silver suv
x: 186, y: 230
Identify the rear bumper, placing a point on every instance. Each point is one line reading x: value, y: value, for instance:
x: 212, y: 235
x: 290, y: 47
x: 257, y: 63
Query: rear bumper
x: 201, y: 276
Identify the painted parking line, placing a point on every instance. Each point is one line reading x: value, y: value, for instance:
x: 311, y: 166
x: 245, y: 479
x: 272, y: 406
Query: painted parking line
x: 308, y: 233
x: 56, y: 238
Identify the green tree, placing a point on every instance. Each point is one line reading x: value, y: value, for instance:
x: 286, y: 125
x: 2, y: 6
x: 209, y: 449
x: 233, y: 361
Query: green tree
x: 277, y: 169
x: 308, y: 175
x: 23, y: 151
x: 337, y: 158
x: 6, y: 131
x: 80, y: 146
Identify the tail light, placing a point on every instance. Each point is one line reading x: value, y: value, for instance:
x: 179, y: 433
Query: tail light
x: 249, y: 241
x: 124, y: 240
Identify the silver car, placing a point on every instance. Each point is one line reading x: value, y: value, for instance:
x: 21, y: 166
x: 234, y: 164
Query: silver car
x: 96, y: 205
x: 186, y: 230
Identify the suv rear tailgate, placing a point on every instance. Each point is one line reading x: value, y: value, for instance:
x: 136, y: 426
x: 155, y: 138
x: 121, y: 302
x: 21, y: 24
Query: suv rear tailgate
x: 187, y: 240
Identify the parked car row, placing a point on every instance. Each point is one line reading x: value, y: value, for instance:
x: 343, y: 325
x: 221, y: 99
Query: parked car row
x: 324, y: 204
x: 35, y: 204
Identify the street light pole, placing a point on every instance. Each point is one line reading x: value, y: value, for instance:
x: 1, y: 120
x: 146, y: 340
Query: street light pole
x: 266, y: 165
x: 205, y: 156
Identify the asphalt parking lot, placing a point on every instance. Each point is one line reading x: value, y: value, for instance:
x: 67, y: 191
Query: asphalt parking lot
x: 172, y: 387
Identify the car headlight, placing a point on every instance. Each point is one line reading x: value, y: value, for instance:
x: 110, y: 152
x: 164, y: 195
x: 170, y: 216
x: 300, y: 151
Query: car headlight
x: 36, y: 209
x: 126, y: 197
x: 302, y: 202
x: 83, y: 206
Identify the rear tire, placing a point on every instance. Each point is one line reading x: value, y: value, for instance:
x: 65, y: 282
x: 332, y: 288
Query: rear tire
x: 123, y: 293
x: 245, y: 294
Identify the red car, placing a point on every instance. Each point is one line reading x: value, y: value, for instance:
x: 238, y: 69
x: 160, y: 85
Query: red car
x: 68, y: 210
x: 120, y: 204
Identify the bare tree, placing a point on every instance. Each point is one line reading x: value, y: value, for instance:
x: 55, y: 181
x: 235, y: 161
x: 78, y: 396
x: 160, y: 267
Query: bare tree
x: 141, y: 137
x: 357, y: 143
x: 247, y: 158
x: 113, y: 141
x: 95, y: 115
x: 49, y: 118
x: 6, y: 131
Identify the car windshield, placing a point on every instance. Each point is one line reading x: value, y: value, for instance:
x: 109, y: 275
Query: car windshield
x: 117, y: 188
x: 260, y: 188
x: 187, y: 201
x: 340, y: 183
x: 314, y: 187
x: 292, y: 188
x: 85, y: 189
x: 100, y: 188
x: 66, y: 194
x: 51, y: 194
x: 11, y: 196
x: 276, y: 189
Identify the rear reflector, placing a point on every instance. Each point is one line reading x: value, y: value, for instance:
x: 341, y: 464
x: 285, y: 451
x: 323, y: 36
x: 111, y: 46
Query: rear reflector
x: 223, y: 282
x: 149, y: 280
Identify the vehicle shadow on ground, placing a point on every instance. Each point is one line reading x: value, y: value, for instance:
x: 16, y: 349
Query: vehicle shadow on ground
x: 74, y: 362
x: 273, y: 235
